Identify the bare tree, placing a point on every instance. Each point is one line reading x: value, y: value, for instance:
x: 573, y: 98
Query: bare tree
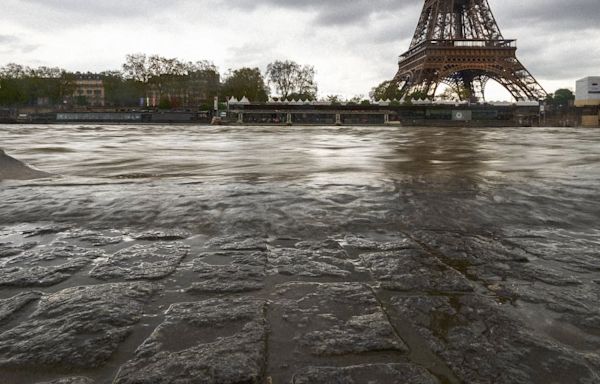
x: 290, y: 79
x: 15, y: 71
x: 136, y: 67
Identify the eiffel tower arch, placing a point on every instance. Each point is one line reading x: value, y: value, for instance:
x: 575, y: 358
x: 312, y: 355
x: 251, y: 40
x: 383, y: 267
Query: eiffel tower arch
x: 459, y: 43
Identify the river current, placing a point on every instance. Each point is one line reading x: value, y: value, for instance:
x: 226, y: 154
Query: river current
x: 514, y: 212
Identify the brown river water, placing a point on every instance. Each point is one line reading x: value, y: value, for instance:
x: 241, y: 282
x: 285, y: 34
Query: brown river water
x: 514, y: 213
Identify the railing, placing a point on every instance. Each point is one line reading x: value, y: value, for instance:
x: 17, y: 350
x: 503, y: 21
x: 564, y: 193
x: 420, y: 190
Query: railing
x: 466, y: 43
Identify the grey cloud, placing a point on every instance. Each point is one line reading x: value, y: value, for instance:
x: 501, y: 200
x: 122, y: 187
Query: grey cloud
x: 112, y: 8
x: 578, y: 14
x: 334, y: 12
x: 14, y: 44
x: 374, y: 30
x: 7, y: 39
x: 551, y: 15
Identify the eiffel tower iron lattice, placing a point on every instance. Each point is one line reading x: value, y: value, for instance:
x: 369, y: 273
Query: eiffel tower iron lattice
x: 459, y: 43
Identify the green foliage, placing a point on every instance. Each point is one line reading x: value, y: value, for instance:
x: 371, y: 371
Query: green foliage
x: 292, y: 81
x: 301, y: 96
x: 247, y: 82
x: 165, y: 103
x: 561, y: 98
x: 120, y: 92
x: 388, y: 90
x: 182, y: 82
x: 12, y: 93
x: 365, y: 102
x: 355, y: 100
x: 22, y: 85
x: 81, y: 101
x: 456, y: 94
x: 334, y: 99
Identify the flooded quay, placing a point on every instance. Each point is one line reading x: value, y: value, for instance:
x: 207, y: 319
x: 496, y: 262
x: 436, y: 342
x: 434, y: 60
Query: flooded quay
x: 193, y: 254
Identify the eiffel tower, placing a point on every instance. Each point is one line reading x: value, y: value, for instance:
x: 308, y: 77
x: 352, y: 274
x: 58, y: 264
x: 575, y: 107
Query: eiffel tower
x: 459, y: 43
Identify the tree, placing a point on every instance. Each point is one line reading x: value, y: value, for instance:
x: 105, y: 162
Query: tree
x: 11, y: 92
x: 291, y: 80
x: 121, y: 92
x: 15, y: 71
x: 416, y: 95
x: 334, y: 99
x: 136, y: 67
x: 180, y: 82
x: 165, y: 103
x: 356, y: 100
x: 456, y: 93
x: 23, y: 85
x: 388, y: 90
x: 562, y: 98
x: 247, y: 82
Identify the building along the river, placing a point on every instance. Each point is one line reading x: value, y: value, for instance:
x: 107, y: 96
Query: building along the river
x: 587, y: 97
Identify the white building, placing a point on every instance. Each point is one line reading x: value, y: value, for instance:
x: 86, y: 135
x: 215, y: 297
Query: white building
x: 588, y: 91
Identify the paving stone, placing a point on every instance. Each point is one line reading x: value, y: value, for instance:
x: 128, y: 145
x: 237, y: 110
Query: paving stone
x: 363, y: 374
x: 232, y: 257
x: 9, y: 249
x: 237, y: 243
x: 170, y: 235
x: 13, y: 304
x: 215, y: 341
x: 45, y: 230
x: 70, y: 380
x: 45, y: 266
x: 574, y: 250
x: 368, y: 244
x: 469, y: 249
x: 335, y: 319
x: 95, y: 238
x: 227, y: 278
x: 76, y: 327
x: 308, y: 263
x: 141, y: 261
x: 482, y: 344
x: 324, y: 248
x: 412, y: 269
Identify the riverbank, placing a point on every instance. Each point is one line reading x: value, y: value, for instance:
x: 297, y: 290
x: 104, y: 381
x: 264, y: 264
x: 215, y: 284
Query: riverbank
x: 449, y: 115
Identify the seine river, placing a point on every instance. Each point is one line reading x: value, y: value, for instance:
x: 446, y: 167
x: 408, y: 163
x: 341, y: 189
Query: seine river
x: 514, y: 212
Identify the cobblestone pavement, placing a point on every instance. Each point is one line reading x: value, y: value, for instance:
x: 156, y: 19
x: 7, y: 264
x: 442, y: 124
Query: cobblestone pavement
x: 124, y: 307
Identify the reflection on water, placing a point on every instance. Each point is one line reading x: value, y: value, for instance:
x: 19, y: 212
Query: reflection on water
x: 433, y: 177
x: 188, y: 151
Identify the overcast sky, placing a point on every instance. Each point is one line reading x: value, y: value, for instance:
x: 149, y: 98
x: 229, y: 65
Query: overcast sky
x: 353, y: 44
